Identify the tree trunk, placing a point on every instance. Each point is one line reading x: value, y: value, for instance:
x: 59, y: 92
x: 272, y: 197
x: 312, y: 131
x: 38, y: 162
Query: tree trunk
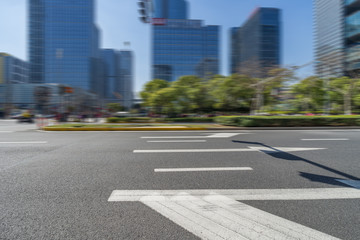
x: 347, y: 104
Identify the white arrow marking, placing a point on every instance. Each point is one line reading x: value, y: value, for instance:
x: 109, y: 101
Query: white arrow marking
x: 250, y: 149
x: 325, y: 139
x: 215, y: 216
x: 216, y: 135
x: 178, y: 141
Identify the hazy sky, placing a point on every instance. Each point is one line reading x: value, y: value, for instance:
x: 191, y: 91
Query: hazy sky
x: 119, y: 22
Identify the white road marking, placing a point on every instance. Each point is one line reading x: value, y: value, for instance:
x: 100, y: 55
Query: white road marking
x: 325, y: 139
x: 250, y: 149
x: 178, y: 141
x: 242, y: 194
x: 216, y: 135
x: 352, y: 183
x: 39, y: 142
x: 209, y: 214
x: 202, y: 169
x: 6, y: 131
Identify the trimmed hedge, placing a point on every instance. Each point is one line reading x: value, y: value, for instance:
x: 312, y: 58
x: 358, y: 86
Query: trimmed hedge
x: 288, y: 121
x: 191, y: 119
x: 147, y: 119
x: 127, y: 119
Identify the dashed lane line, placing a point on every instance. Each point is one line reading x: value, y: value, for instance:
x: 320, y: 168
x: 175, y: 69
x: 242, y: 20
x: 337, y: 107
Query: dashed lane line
x: 202, y: 169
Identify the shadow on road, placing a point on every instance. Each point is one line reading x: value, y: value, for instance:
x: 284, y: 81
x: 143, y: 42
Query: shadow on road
x: 276, y: 153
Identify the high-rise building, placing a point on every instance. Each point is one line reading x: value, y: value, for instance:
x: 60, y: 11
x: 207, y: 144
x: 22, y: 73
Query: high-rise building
x: 64, y: 43
x: 170, y: 9
x: 118, y: 85
x: 181, y: 46
x: 329, y: 37
x: 257, y: 43
x: 13, y: 70
x: 352, y: 36
x: 126, y: 65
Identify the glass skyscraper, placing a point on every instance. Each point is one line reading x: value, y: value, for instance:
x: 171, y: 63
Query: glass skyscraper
x: 352, y: 35
x: 181, y: 46
x: 13, y: 70
x: 329, y: 37
x: 118, y: 85
x: 170, y: 9
x: 64, y: 43
x: 257, y: 42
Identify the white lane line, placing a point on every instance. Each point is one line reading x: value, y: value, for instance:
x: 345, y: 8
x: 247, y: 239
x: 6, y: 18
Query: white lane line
x: 250, y: 149
x: 325, y: 139
x: 178, y: 141
x: 6, y: 131
x: 352, y: 183
x: 202, y: 169
x: 38, y: 142
x: 218, y: 216
x: 216, y: 135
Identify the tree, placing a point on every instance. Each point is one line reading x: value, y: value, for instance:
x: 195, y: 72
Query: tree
x: 148, y: 94
x: 261, y: 86
x: 309, y: 94
x: 347, y: 88
x: 231, y: 93
x: 191, y: 93
x: 114, y: 107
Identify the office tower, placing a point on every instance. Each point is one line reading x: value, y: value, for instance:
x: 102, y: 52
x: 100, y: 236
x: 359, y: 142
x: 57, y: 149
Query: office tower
x: 181, y: 46
x: 257, y: 43
x: 352, y: 36
x: 329, y: 37
x: 126, y: 62
x: 170, y: 9
x: 64, y: 43
x: 118, y: 85
x: 13, y: 70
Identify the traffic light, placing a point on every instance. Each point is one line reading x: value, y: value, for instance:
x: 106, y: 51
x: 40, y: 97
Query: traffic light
x: 144, y: 10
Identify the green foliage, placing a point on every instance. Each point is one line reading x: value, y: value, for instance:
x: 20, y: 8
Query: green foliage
x: 191, y: 119
x: 288, y: 121
x: 127, y: 119
x: 114, y: 107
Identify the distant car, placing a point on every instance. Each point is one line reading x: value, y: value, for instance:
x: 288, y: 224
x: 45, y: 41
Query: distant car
x: 121, y: 114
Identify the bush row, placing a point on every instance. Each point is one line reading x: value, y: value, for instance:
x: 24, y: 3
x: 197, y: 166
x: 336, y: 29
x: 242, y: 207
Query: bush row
x: 127, y: 119
x: 288, y: 121
x: 147, y: 119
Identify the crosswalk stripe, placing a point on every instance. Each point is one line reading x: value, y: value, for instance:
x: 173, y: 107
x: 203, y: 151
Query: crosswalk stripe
x: 216, y: 216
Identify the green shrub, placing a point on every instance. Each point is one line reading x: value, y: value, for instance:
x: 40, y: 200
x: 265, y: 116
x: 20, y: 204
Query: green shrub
x: 191, y: 119
x: 288, y: 121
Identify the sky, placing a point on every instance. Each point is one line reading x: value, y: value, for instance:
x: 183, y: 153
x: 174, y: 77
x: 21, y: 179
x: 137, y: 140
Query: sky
x: 119, y: 22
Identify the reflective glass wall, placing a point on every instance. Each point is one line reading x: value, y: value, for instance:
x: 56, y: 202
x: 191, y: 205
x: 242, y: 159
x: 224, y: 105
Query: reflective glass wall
x: 184, y: 47
x: 329, y: 37
x: 64, y: 42
x: 257, y: 44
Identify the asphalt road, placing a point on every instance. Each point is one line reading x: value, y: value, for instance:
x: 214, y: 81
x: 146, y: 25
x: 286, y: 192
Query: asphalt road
x: 57, y: 185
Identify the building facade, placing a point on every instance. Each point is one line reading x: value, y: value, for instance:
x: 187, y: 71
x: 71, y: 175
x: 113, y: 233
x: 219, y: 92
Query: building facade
x: 257, y: 43
x: 13, y: 70
x: 170, y: 9
x: 181, y: 46
x: 118, y: 84
x: 329, y: 37
x: 64, y: 43
x: 352, y: 36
